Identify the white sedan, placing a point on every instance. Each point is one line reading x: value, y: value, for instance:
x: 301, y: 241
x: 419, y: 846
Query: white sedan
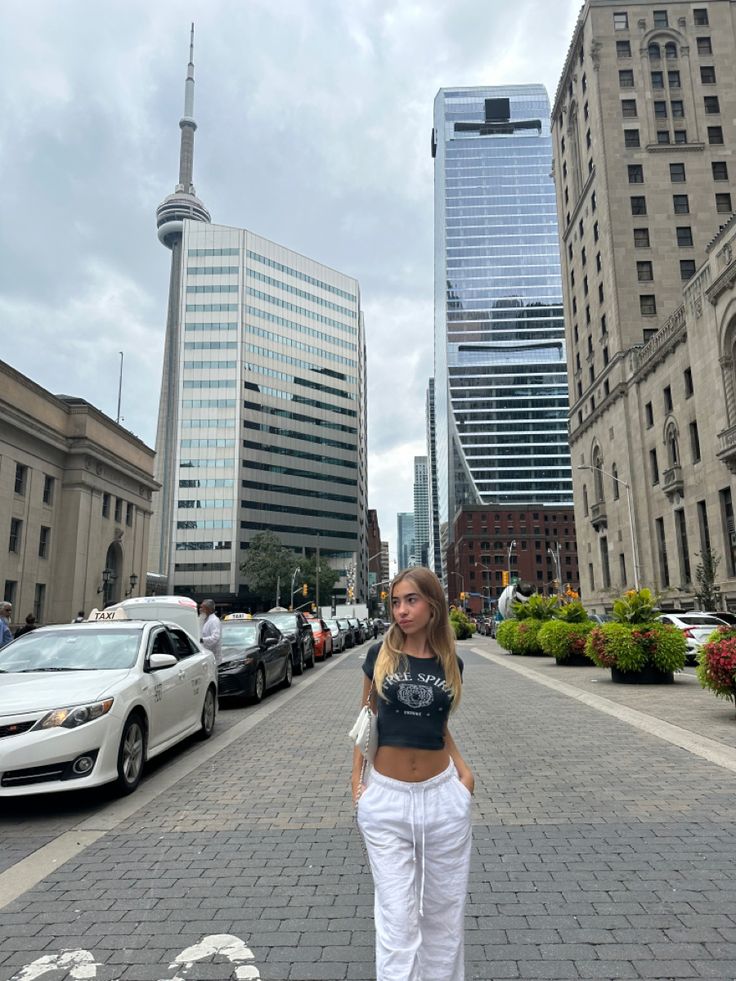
x: 86, y: 704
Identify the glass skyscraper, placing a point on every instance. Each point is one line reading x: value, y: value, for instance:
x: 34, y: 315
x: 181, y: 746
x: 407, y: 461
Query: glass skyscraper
x: 501, y: 398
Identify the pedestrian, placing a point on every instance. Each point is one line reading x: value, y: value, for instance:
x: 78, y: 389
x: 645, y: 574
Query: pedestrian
x: 210, y: 631
x: 79, y: 618
x: 6, y: 634
x: 29, y: 625
x: 413, y: 809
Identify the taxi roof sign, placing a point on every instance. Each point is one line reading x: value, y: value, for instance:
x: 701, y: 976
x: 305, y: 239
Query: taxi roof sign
x: 238, y: 616
x: 114, y: 613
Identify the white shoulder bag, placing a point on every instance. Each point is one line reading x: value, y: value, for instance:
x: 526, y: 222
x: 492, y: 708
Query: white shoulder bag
x: 365, y: 731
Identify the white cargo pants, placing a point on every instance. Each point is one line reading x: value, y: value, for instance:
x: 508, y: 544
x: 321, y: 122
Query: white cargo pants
x: 418, y: 837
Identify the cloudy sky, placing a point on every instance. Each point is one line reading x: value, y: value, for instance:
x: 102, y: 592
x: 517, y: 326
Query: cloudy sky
x: 314, y: 131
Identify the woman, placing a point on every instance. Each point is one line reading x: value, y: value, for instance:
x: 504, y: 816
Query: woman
x: 414, y: 811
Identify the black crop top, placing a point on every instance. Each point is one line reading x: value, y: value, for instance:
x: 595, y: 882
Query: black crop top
x: 417, y: 703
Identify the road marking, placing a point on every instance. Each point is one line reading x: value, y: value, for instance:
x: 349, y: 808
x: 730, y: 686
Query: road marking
x: 78, y: 964
x: 18, y: 878
x: 707, y: 749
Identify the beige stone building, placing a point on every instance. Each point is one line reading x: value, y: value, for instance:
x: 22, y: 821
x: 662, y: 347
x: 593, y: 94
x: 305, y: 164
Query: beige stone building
x: 75, y: 503
x: 644, y: 127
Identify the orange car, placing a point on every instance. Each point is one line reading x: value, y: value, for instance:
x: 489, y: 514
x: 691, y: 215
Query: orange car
x: 322, y: 638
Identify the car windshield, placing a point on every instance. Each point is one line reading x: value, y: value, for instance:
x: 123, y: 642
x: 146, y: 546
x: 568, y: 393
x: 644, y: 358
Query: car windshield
x: 86, y: 649
x: 316, y: 626
x: 284, y: 621
x: 239, y: 634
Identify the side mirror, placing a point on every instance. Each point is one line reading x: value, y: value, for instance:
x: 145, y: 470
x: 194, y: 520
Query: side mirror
x: 270, y: 642
x: 158, y: 661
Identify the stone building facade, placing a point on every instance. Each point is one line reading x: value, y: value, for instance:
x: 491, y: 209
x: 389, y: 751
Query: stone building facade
x: 643, y: 141
x: 75, y: 503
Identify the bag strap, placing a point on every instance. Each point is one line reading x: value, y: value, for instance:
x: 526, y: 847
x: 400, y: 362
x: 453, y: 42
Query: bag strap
x: 370, y: 692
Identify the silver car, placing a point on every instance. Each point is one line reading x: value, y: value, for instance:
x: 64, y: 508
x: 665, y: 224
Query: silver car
x: 697, y: 628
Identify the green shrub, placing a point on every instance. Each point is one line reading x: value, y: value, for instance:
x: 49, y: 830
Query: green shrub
x: 559, y: 639
x: 716, y: 667
x: 536, y: 608
x: 630, y: 647
x: 665, y: 646
x: 635, y: 607
x: 573, y: 612
x: 506, y: 633
x: 527, y: 641
x: 461, y: 624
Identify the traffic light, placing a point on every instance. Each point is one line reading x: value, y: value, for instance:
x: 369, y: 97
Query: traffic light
x: 505, y: 577
x: 384, y: 594
x: 462, y: 597
x: 305, y: 588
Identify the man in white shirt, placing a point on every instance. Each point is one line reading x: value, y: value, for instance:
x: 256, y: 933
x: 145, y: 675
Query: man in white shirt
x: 210, y: 630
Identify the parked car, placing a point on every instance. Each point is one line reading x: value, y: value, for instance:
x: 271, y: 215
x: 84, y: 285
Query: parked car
x: 600, y: 617
x: 294, y: 626
x: 726, y: 615
x: 357, y: 626
x: 338, y: 636
x: 350, y: 636
x: 697, y: 628
x: 255, y: 657
x: 321, y: 637
x: 86, y: 704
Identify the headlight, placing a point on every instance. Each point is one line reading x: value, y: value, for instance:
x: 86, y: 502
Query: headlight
x: 75, y: 715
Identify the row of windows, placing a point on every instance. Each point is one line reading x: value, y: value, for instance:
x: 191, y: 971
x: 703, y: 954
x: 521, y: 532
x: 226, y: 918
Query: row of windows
x: 208, y: 403
x: 211, y: 383
x: 203, y: 567
x: 300, y: 275
x: 15, y: 541
x: 660, y: 19
x: 295, y: 291
x: 208, y: 482
x: 210, y: 345
x: 703, y: 44
x: 213, y: 288
x: 200, y: 252
x: 203, y: 546
x: 294, y: 434
x: 211, y: 423
x: 307, y: 383
x: 301, y: 399
x: 209, y: 365
x: 667, y: 400
x: 119, y: 502
x: 282, y: 322
x: 286, y: 509
x: 21, y: 484
x: 213, y: 270
x: 301, y: 474
x: 301, y: 454
x: 207, y: 524
x: 287, y: 358
x: 216, y: 325
x: 218, y: 464
x: 292, y: 342
x: 211, y: 502
x: 297, y: 416
x: 626, y: 77
x: 294, y: 530
x: 211, y: 307
x: 207, y: 443
x: 298, y: 491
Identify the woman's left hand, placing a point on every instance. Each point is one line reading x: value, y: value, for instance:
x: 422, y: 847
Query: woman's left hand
x: 468, y: 780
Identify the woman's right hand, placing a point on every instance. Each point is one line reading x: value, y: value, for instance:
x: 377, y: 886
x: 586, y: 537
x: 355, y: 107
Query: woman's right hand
x: 357, y: 793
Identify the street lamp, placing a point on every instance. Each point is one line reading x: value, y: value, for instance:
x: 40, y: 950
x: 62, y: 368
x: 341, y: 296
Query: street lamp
x: 487, y: 585
x: 291, y: 594
x: 555, y: 553
x: 634, y: 547
x: 462, y: 581
x: 511, y: 548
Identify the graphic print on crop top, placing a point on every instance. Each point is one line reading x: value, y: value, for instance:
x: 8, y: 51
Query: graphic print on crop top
x: 417, y: 703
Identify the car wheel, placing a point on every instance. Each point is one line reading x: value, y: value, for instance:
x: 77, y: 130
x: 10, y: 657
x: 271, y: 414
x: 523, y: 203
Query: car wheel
x: 131, y: 754
x: 310, y: 662
x: 259, y: 686
x: 288, y: 673
x: 328, y: 655
x: 299, y: 665
x: 209, y: 713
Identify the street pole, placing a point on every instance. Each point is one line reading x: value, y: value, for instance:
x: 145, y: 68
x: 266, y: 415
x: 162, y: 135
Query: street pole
x: 316, y: 585
x: 291, y: 595
x: 278, y: 589
x: 512, y: 546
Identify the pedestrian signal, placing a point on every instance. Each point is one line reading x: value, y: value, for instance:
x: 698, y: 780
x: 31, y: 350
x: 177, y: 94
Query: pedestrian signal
x: 305, y: 589
x: 505, y: 577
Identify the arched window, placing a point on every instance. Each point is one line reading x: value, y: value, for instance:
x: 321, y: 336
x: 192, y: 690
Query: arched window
x: 670, y: 50
x: 597, y: 475
x: 614, y: 474
x: 673, y: 448
x: 654, y: 51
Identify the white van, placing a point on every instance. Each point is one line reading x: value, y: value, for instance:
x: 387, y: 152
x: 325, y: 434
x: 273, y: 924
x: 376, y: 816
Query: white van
x: 181, y: 610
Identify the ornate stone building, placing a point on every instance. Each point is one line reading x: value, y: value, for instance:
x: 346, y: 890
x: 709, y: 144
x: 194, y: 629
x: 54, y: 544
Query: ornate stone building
x: 75, y: 503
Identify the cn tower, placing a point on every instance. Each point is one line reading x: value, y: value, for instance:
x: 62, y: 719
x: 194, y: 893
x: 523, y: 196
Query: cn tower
x: 170, y: 216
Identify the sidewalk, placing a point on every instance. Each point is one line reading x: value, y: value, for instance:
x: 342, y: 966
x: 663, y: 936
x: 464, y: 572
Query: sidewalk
x: 600, y: 850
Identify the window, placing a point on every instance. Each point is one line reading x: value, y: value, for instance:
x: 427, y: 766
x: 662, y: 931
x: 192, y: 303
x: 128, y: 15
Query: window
x: 626, y: 78
x: 596, y: 234
x: 621, y: 22
x: 653, y: 466
x: 11, y: 586
x: 583, y: 255
x: 588, y: 140
x: 39, y: 599
x: 585, y: 285
x: 660, y: 110
x: 663, y: 136
x: 631, y: 137
x: 600, y: 293
x: 644, y: 272
x: 657, y: 80
x: 43, y: 542
x: 48, y: 490
x: 703, y: 527
x: 708, y: 73
x: 678, y: 108
x: 598, y: 262
x: 670, y: 50
x: 720, y: 170
x: 623, y: 49
x: 664, y: 571
x: 648, y: 304
x: 129, y: 514
x: 118, y: 510
x: 704, y: 46
x: 628, y: 108
x: 605, y: 568
x: 684, y: 236
x: 712, y: 106
x: 639, y: 205
x: 636, y: 173
x: 729, y: 531
x: 622, y: 568
x: 105, y: 505
x: 16, y: 534
x: 21, y: 478
x: 677, y: 173
x: 687, y: 269
x: 694, y: 442
x: 687, y: 376
x: 649, y: 414
x: 614, y: 475
x: 641, y: 238
x: 682, y: 547
x: 660, y: 18
x: 723, y: 204
x: 667, y: 396
x: 581, y: 227
x: 680, y: 136
x: 604, y: 325
x: 673, y: 79
x: 605, y: 355
x: 653, y: 51
x: 715, y: 135
x: 680, y: 204
x: 593, y: 201
x: 700, y: 17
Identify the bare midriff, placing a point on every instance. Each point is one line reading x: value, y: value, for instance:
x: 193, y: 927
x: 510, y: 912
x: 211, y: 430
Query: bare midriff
x: 410, y: 765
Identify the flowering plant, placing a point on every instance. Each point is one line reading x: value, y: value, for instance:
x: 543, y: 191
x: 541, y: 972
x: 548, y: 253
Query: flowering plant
x: 562, y: 640
x: 716, y: 667
x: 635, y: 606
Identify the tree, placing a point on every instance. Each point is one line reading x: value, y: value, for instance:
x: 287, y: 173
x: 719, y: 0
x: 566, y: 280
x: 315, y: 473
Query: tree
x: 327, y: 578
x: 708, y: 594
x: 265, y: 562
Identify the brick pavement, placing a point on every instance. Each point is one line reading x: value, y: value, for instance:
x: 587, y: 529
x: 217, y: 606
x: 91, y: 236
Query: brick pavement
x: 600, y: 852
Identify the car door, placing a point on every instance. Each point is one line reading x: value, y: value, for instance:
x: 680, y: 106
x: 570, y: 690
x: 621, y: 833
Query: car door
x: 272, y: 651
x: 192, y: 663
x: 166, y: 687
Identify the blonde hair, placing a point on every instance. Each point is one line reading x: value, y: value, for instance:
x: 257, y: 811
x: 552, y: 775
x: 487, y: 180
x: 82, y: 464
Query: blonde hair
x: 440, y: 635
